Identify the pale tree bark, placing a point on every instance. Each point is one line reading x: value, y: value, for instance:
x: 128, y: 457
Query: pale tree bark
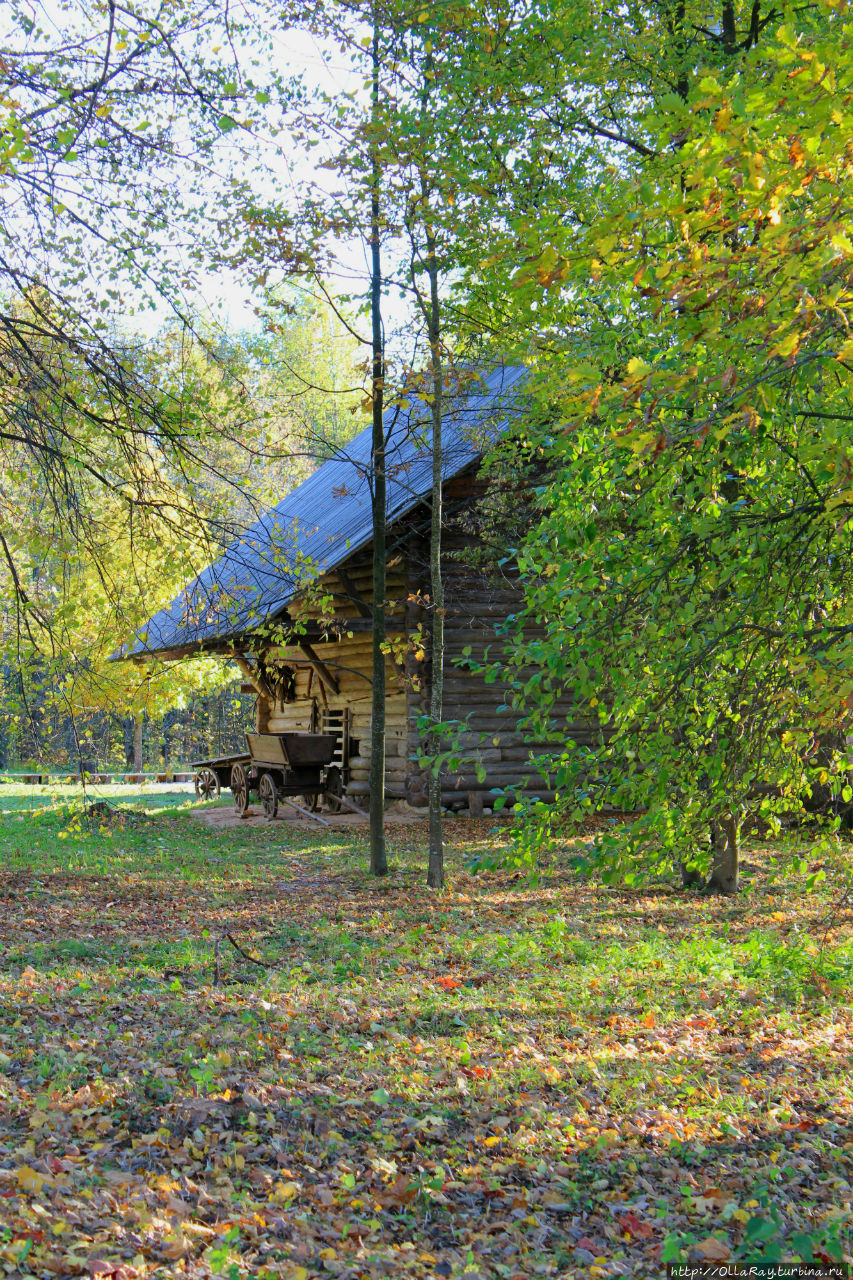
x: 378, y: 859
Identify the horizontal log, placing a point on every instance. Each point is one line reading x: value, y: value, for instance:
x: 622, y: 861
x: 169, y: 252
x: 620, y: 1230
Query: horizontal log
x: 393, y: 790
x: 493, y: 721
x: 476, y: 735
x: 496, y: 776
x: 476, y: 595
x: 449, y: 798
x: 510, y: 740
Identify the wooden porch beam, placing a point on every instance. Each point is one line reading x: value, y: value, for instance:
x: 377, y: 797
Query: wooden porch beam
x: 320, y: 667
x: 350, y: 588
x: 251, y: 675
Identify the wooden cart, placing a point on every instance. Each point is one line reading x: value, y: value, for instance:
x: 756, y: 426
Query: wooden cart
x: 280, y: 766
x: 283, y: 765
x: 212, y: 776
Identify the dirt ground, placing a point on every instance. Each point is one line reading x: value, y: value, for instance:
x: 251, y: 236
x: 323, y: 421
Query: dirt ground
x: 399, y: 813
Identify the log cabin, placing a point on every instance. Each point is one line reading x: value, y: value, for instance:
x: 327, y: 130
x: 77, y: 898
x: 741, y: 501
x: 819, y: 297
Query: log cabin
x: 290, y: 602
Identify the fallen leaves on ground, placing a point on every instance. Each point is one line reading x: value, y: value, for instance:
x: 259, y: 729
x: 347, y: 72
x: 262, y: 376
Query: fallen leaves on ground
x: 500, y: 1081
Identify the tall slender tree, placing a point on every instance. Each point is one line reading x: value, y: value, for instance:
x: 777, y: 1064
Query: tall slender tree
x: 378, y: 860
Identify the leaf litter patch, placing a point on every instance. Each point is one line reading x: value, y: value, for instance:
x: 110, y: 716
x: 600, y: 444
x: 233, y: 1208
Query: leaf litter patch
x: 501, y: 1080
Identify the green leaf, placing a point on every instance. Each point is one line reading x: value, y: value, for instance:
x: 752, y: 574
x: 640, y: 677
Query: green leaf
x: 758, y: 1229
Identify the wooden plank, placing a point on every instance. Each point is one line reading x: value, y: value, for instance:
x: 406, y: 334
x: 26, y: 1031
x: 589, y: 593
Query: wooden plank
x: 306, y: 813
x: 352, y: 805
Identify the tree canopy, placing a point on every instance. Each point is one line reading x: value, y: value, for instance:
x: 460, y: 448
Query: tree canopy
x: 693, y: 313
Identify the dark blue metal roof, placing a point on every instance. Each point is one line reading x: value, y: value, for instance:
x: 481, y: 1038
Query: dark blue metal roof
x: 322, y: 523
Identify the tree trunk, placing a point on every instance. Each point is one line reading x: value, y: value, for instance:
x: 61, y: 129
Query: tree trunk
x: 5, y: 682
x: 378, y: 860
x: 690, y: 877
x: 170, y: 719
x: 435, y: 872
x: 138, y: 722
x: 726, y: 866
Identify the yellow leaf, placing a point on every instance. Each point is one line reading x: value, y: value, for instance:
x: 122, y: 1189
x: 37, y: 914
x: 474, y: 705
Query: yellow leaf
x: 642, y: 441
x: 30, y: 1180
x: 328, y: 1253
x: 638, y: 368
x: 786, y: 346
x: 492, y: 1141
x: 846, y: 351
x: 284, y: 1192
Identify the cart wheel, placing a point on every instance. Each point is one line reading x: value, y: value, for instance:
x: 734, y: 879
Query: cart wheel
x: 334, y: 789
x: 206, y: 784
x: 312, y: 800
x: 240, y: 788
x: 269, y: 795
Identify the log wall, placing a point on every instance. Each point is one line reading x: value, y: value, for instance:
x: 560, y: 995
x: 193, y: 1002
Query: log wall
x: 478, y: 602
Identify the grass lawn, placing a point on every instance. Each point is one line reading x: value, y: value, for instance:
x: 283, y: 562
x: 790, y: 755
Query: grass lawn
x: 504, y: 1080
x: 16, y: 797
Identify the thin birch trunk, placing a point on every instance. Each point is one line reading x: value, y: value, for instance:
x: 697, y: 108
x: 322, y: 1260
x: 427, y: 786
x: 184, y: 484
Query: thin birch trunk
x: 378, y: 860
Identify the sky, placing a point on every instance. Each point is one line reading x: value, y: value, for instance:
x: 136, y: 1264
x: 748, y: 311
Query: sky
x: 225, y: 297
